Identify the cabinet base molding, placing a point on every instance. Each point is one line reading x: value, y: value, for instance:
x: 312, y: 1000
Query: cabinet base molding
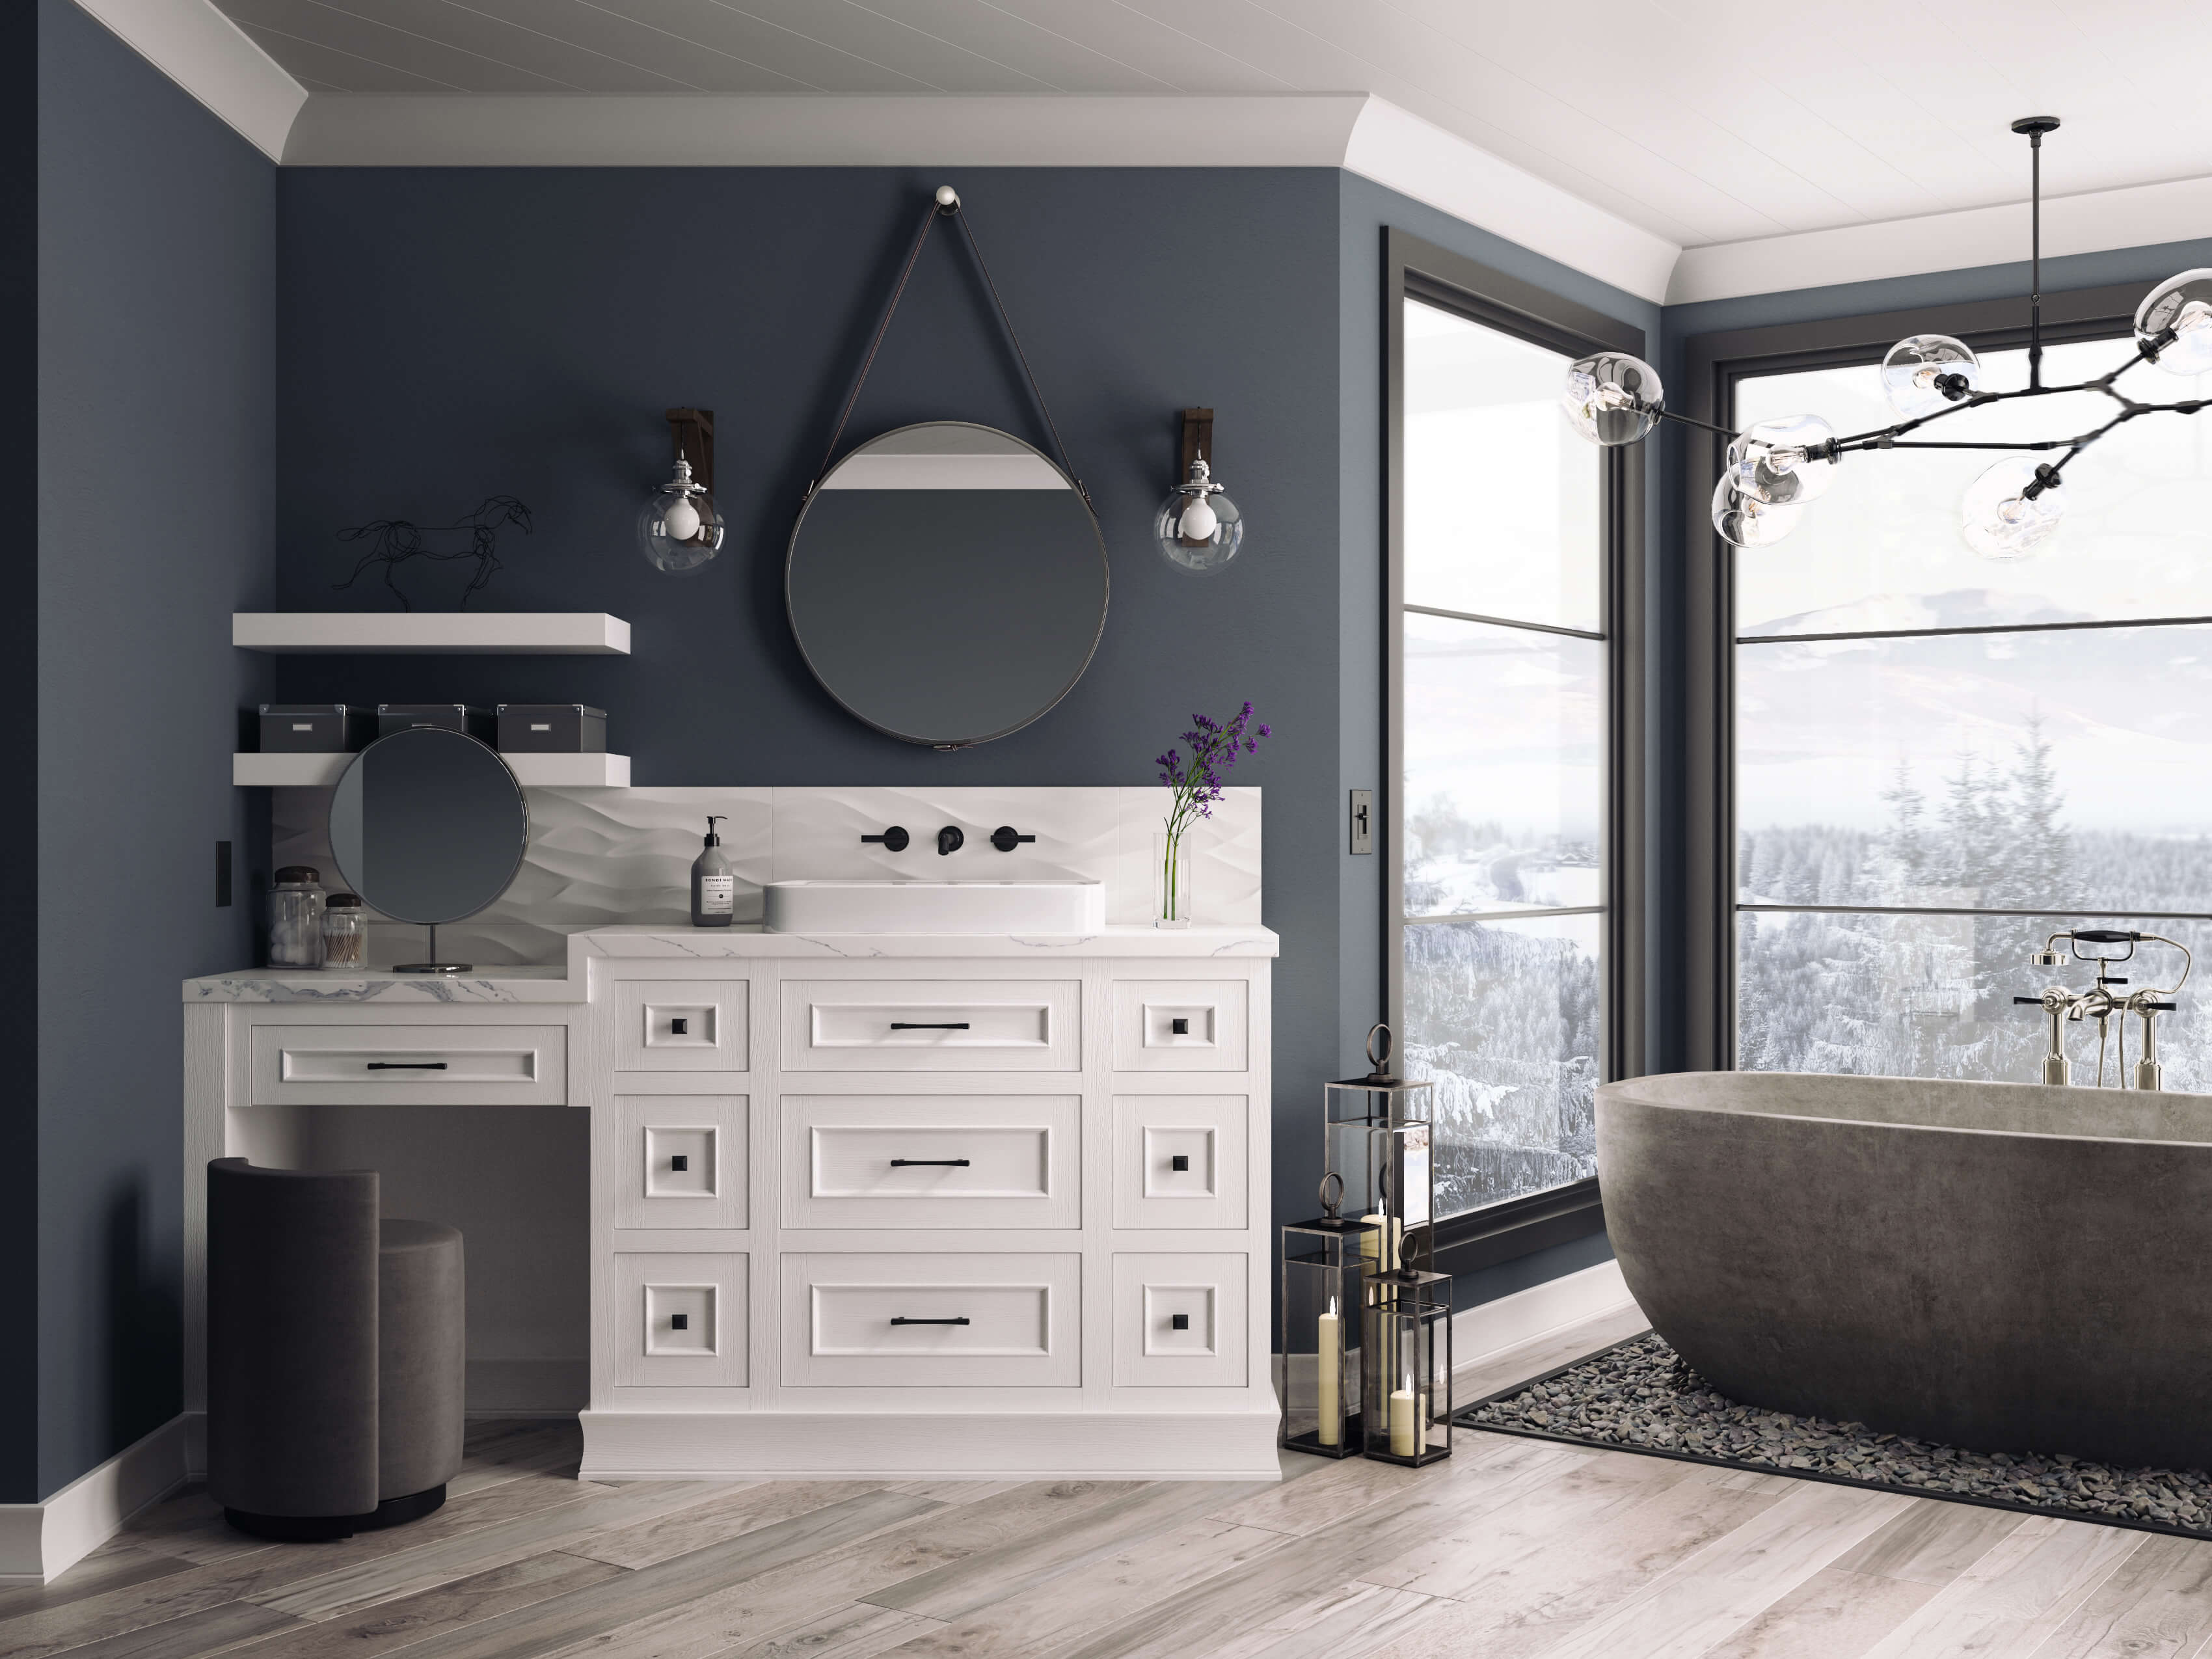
x: 928, y: 1446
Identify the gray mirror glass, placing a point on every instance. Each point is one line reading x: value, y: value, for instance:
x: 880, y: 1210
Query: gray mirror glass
x: 946, y: 583
x: 428, y: 826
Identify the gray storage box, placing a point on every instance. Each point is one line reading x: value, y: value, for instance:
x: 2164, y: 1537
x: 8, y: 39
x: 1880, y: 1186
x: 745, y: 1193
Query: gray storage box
x: 445, y: 716
x: 314, y: 728
x: 551, y: 728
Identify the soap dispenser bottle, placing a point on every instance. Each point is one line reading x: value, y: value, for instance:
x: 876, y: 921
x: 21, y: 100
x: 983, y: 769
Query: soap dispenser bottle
x: 714, y: 888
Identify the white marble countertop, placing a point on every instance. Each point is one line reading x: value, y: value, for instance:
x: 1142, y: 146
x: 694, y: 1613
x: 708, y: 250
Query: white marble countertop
x: 555, y: 983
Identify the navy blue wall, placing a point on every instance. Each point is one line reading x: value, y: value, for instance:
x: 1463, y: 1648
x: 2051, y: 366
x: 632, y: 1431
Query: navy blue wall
x: 155, y: 377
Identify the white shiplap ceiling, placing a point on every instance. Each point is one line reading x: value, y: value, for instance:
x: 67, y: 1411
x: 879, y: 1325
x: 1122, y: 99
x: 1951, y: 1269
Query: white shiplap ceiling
x: 1704, y: 121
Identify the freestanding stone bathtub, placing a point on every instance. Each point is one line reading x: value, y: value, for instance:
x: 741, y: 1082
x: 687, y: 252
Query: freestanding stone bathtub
x: 1999, y: 1265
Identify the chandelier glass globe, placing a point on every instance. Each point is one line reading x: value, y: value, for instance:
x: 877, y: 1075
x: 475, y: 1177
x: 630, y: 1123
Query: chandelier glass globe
x: 1999, y: 520
x: 1746, y: 521
x: 1613, y: 399
x: 679, y: 528
x: 2183, y: 304
x: 1924, y: 372
x: 1199, y: 529
x: 1783, y: 463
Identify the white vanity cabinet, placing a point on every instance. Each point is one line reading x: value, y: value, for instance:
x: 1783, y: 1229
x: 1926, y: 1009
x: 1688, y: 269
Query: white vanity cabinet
x: 933, y: 1215
x: 857, y: 1206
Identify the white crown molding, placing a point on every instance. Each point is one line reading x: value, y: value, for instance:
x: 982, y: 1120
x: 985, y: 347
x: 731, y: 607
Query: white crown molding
x: 212, y: 58
x: 1397, y: 148
x: 2138, y: 216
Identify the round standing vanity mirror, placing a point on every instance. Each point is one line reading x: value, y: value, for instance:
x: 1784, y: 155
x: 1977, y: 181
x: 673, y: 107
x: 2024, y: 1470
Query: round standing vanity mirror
x: 947, y: 584
x: 428, y: 826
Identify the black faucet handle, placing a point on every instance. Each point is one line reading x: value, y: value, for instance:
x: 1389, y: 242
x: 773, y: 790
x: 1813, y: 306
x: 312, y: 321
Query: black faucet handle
x: 895, y: 839
x: 1006, y: 838
x: 950, y: 839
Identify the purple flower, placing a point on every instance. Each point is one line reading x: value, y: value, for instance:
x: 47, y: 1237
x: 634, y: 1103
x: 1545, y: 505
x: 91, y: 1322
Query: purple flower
x: 1213, y: 750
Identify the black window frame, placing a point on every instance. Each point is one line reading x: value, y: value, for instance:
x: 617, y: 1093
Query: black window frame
x: 1714, y: 364
x: 1417, y: 269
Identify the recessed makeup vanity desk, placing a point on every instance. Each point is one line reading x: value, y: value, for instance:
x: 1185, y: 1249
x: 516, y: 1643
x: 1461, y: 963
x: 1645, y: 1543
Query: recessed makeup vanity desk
x: 858, y: 1204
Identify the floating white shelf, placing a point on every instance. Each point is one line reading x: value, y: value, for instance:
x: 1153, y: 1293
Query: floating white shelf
x: 514, y: 632
x: 533, y: 771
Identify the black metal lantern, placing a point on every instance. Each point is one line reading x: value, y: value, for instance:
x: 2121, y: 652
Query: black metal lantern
x: 1325, y: 1261
x: 1406, y: 1368
x: 1379, y: 1142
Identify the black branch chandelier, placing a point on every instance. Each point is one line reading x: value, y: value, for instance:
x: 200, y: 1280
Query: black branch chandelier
x: 1775, y: 467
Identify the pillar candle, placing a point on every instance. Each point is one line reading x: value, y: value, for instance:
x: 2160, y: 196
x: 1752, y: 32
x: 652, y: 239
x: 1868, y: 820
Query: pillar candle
x: 1330, y: 1361
x: 1403, y: 1440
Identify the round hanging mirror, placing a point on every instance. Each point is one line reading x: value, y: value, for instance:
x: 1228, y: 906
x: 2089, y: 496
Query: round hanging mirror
x: 428, y: 826
x: 947, y: 583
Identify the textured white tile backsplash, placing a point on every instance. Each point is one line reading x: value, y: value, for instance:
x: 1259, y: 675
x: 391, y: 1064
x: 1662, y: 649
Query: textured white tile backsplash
x: 598, y: 856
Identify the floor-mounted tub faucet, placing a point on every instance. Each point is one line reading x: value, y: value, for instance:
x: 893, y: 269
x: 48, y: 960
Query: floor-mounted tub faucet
x: 2064, y: 1006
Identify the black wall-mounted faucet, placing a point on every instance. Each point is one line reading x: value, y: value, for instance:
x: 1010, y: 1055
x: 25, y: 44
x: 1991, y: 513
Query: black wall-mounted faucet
x: 893, y: 839
x: 1006, y: 838
x: 950, y: 839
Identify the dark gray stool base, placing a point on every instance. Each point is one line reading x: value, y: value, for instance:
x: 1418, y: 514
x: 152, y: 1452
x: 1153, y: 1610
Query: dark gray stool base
x: 320, y: 1528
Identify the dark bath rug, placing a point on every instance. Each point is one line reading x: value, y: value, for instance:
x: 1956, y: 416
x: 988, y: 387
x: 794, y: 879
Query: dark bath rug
x: 1639, y: 1396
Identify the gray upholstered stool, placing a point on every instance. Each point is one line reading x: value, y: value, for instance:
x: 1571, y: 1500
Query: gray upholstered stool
x: 337, y: 1354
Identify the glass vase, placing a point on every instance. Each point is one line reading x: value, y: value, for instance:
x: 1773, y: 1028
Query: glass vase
x: 1171, y: 893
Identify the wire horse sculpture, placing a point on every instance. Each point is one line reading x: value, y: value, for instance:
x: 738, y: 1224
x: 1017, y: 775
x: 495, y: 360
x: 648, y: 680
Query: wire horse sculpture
x: 395, y: 541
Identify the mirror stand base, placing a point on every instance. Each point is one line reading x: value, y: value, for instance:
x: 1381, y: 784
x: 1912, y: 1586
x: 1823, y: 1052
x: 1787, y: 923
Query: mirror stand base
x: 432, y: 967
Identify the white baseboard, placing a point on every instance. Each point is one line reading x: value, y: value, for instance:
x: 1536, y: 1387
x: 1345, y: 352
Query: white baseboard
x: 1483, y: 1331
x: 41, y: 1541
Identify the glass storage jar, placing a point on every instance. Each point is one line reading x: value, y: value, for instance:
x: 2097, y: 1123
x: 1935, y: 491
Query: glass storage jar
x: 295, y: 918
x: 345, y: 933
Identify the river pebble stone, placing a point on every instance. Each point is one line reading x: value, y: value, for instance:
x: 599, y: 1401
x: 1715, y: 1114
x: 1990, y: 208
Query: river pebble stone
x: 1641, y: 1395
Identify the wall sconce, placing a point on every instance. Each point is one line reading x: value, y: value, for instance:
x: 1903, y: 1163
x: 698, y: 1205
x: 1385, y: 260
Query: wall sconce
x: 1198, y: 527
x: 679, y: 528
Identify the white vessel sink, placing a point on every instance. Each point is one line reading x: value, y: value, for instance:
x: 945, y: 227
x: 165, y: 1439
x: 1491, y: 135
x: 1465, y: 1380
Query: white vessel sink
x: 934, y: 907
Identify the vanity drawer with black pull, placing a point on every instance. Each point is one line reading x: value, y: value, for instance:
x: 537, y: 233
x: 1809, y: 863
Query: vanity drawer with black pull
x: 932, y: 1161
x: 433, y: 1065
x: 915, y: 1319
x: 684, y: 1160
x: 931, y: 1025
x: 1180, y: 1320
x: 1181, y: 1025
x: 1179, y: 1160
x: 681, y: 1025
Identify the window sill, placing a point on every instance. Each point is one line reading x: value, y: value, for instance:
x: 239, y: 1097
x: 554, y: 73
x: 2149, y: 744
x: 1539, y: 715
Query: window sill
x: 1520, y: 1226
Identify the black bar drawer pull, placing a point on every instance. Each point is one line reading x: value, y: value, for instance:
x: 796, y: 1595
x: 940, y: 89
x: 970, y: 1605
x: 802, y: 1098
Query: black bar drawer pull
x: 406, y: 1064
x: 929, y: 1025
x: 949, y: 1162
x: 900, y: 1319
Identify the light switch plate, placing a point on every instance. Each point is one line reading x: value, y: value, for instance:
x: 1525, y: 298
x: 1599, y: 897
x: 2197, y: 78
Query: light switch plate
x: 1363, y: 823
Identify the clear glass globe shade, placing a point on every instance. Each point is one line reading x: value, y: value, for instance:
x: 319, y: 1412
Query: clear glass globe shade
x: 2184, y: 304
x: 1198, y: 556
x: 1746, y: 521
x: 1613, y: 399
x: 1999, y: 521
x: 1916, y: 363
x: 1772, y: 461
x: 660, y: 522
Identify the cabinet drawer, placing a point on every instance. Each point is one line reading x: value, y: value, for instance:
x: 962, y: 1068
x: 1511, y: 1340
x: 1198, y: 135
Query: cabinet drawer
x: 681, y: 1025
x: 679, y: 1320
x: 438, y: 1065
x: 917, y: 1320
x: 681, y: 1161
x: 931, y: 1025
x: 1179, y: 1321
x: 932, y: 1161
x: 1179, y: 1160
x: 1181, y: 1025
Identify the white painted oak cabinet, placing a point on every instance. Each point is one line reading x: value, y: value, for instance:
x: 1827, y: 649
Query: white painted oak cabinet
x: 944, y: 1207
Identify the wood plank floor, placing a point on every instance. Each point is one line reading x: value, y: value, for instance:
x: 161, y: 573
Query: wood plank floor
x: 1515, y: 1549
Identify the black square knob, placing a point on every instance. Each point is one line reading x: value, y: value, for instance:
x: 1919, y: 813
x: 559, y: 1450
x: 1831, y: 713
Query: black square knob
x: 679, y: 1321
x: 1179, y: 1027
x: 1181, y: 1321
x: 1180, y: 1161
x: 680, y: 1026
x: 680, y: 1161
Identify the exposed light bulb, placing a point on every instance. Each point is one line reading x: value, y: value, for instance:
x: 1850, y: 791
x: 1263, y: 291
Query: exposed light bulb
x: 1999, y: 520
x: 679, y: 529
x: 1199, y: 520
x: 2183, y: 304
x: 1198, y: 528
x: 1923, y: 372
x: 1746, y: 521
x: 680, y: 520
x: 1783, y: 462
x: 1613, y: 399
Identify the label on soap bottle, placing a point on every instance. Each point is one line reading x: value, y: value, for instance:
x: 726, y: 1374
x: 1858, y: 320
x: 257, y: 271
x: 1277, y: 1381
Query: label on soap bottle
x: 717, y: 895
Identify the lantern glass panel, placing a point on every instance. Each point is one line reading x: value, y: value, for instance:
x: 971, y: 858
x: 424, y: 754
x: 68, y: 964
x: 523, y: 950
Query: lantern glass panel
x: 1406, y: 1405
x: 1323, y: 1271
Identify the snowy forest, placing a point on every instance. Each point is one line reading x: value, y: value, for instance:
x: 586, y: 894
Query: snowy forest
x: 1503, y: 1017
x: 1931, y: 995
